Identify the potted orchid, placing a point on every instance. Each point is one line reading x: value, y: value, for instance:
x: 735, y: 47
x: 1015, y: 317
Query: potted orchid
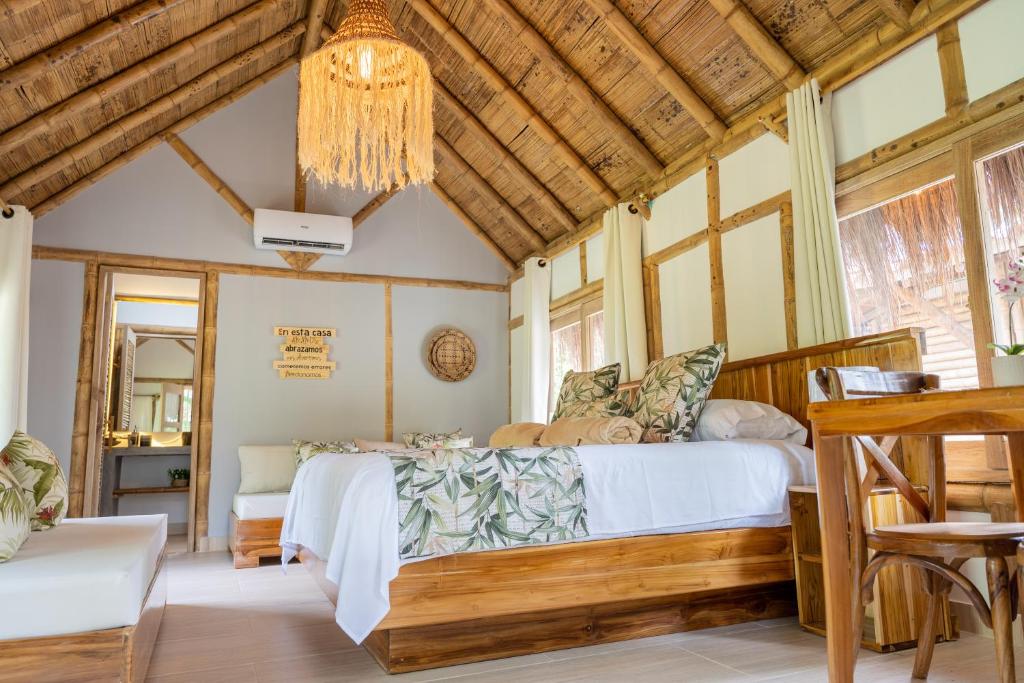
x: 1008, y: 369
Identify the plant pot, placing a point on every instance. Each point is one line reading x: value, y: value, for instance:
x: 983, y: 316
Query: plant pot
x: 179, y: 483
x: 1008, y: 371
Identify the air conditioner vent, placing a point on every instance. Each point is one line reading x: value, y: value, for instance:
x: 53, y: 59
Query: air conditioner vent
x: 291, y: 231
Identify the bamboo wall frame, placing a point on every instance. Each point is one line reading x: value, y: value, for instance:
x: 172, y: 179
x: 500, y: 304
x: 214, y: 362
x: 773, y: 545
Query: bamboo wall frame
x: 89, y: 387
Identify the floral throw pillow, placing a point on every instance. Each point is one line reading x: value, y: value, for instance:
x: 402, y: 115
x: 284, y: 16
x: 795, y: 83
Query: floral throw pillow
x: 616, y: 405
x: 434, y: 440
x: 38, y: 471
x: 673, y: 392
x: 304, y: 450
x: 585, y: 387
x: 15, y: 515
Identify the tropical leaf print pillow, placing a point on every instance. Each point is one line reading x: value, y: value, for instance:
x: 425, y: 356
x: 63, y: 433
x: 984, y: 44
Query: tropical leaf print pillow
x: 38, y: 471
x: 15, y: 515
x: 425, y: 440
x: 616, y: 405
x: 673, y: 392
x: 304, y: 450
x: 585, y: 387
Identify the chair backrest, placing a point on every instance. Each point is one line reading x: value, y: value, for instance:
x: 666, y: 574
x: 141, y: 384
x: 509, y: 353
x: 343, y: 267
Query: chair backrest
x: 848, y: 383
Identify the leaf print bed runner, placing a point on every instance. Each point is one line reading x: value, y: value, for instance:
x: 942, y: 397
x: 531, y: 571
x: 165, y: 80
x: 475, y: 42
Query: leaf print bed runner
x: 464, y: 500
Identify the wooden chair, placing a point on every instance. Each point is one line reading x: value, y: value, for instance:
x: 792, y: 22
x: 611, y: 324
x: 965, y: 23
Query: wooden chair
x: 937, y: 547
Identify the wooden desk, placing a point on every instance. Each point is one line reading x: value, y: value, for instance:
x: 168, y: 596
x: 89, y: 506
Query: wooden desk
x: 978, y: 411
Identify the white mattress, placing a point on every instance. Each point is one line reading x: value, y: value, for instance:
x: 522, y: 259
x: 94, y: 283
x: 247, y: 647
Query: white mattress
x: 84, y: 575
x: 344, y: 508
x: 259, y: 505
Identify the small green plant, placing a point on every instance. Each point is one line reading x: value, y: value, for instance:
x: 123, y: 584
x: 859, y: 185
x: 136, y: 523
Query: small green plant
x: 1009, y: 349
x: 178, y: 473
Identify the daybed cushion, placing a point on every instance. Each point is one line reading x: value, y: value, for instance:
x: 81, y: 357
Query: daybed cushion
x: 422, y: 440
x: 38, y: 470
x: 84, y: 575
x: 259, y: 505
x: 15, y: 514
x: 580, y: 389
x: 266, y: 469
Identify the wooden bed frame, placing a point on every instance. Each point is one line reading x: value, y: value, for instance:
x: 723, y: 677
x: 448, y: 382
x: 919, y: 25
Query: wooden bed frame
x: 251, y: 539
x: 477, y: 606
x: 115, y: 654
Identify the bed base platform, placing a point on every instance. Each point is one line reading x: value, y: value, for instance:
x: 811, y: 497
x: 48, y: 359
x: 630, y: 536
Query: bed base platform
x: 114, y: 654
x: 251, y: 539
x: 478, y: 606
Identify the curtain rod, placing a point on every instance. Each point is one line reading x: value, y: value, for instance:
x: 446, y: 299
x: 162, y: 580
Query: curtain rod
x: 5, y: 209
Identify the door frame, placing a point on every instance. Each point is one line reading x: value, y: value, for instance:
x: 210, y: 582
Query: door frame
x: 103, y: 328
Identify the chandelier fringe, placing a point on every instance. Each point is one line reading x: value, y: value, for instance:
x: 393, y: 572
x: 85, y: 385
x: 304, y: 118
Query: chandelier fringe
x: 365, y: 107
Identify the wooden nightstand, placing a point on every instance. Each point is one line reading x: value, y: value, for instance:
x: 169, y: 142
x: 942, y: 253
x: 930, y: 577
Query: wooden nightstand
x: 891, y: 621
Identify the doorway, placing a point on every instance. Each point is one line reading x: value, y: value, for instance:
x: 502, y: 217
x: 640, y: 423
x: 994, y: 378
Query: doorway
x: 146, y: 396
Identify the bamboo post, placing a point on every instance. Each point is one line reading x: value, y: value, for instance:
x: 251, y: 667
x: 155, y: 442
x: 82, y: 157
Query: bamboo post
x: 138, y: 150
x: 211, y: 178
x: 575, y: 84
x: 523, y: 109
x: 53, y: 119
x: 204, y: 454
x: 83, y: 393
x: 78, y: 44
x: 951, y: 66
x: 718, y: 317
x: 377, y: 202
x: 506, y: 159
x: 472, y: 226
x: 389, y: 367
x: 761, y: 43
x: 663, y: 72
x: 115, y: 133
x: 788, y: 273
x: 484, y: 188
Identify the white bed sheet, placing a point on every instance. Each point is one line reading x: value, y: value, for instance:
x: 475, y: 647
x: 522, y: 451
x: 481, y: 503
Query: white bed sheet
x: 344, y: 508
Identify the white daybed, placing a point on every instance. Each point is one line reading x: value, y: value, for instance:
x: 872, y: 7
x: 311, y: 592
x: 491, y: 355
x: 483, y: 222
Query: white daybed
x: 83, y: 601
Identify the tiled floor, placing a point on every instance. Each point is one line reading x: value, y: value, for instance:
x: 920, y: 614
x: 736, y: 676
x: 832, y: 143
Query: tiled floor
x: 260, y: 625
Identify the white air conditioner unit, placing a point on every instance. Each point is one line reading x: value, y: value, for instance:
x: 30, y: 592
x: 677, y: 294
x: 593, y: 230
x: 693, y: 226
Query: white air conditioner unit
x: 291, y: 231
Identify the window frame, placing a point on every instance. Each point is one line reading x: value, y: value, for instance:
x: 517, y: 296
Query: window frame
x: 575, y: 312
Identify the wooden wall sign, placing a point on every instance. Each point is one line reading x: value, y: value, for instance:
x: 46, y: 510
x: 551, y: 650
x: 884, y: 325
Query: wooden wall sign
x: 304, y: 352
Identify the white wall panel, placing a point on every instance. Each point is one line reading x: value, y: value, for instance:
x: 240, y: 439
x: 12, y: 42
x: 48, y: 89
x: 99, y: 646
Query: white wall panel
x: 686, y: 301
x: 755, y: 172
x: 595, y: 258
x: 754, y: 299
x: 992, y: 42
x: 680, y: 212
x: 516, y: 298
x: 565, y: 273
x: 896, y: 98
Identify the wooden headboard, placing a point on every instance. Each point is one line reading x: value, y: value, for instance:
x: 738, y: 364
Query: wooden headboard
x: 780, y: 379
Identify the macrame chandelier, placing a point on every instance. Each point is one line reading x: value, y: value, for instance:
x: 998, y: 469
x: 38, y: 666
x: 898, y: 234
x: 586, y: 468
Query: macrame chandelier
x: 365, y: 106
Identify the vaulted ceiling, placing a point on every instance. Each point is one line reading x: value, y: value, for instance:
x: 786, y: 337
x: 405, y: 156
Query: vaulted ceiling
x: 546, y: 112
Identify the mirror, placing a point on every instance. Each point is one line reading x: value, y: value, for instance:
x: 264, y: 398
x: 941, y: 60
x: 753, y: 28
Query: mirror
x: 155, y: 374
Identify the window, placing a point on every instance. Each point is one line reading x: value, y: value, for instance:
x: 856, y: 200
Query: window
x: 1001, y: 186
x: 905, y: 267
x: 577, y: 343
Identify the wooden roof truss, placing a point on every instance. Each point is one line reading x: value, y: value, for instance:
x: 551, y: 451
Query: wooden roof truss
x: 546, y: 113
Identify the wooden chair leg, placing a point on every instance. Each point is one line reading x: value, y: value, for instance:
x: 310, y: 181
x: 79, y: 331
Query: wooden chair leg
x: 929, y: 627
x: 1002, y: 616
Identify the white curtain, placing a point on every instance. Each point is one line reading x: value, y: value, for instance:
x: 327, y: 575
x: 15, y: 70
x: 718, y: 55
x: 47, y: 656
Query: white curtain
x: 625, y: 325
x: 821, y: 301
x: 536, y: 340
x: 15, y: 269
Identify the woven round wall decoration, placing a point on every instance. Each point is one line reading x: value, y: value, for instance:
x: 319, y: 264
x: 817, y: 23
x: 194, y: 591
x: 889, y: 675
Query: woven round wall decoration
x: 451, y: 355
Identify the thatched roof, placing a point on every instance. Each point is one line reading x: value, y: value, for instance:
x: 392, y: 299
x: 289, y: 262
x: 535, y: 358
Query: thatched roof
x: 546, y: 111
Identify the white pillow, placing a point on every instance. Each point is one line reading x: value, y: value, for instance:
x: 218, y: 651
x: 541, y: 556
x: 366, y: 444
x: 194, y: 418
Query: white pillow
x: 266, y: 469
x: 724, y: 419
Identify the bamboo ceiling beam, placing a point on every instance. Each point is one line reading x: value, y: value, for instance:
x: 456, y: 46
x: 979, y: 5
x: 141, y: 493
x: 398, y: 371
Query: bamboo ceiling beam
x: 897, y: 10
x: 529, y: 236
x: 25, y: 71
x: 951, y: 67
x: 49, y: 121
x: 506, y: 159
x: 55, y: 200
x: 314, y: 22
x: 377, y: 202
x: 578, y: 87
x: 212, y: 179
x: 523, y: 109
x: 115, y: 133
x: 663, y: 72
x: 472, y: 226
x: 764, y: 46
